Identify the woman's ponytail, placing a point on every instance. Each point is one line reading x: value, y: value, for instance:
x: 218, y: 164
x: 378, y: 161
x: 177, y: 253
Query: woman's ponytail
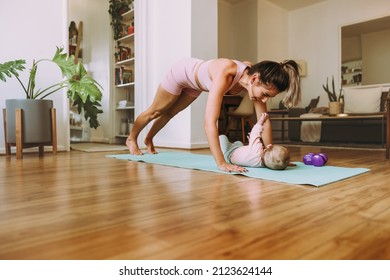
x: 293, y: 91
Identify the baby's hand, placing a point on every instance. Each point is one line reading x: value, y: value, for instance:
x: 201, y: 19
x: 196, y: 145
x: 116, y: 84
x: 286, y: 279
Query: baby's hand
x: 263, y: 118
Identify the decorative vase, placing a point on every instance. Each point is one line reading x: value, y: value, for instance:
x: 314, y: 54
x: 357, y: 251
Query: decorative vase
x: 36, y: 120
x: 336, y: 108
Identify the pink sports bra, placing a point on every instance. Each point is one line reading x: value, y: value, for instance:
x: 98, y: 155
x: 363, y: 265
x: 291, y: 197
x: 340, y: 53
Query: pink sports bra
x: 205, y: 80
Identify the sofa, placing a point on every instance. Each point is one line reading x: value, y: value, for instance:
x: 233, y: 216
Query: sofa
x: 357, y: 101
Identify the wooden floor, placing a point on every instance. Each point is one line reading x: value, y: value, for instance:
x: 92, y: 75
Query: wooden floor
x: 78, y: 205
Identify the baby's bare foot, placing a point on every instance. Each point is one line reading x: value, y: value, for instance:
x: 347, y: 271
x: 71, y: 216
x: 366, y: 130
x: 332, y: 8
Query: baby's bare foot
x: 133, y: 147
x: 150, y: 146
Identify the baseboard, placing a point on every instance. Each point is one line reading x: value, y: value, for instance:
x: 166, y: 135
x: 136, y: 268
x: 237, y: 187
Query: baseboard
x: 33, y: 150
x: 99, y: 140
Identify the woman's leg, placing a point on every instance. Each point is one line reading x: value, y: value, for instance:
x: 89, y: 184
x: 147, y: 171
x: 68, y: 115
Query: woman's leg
x: 161, y: 103
x: 183, y: 102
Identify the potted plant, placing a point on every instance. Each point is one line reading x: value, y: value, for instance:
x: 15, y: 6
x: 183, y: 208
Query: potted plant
x: 83, y: 92
x: 116, y: 9
x: 336, y: 105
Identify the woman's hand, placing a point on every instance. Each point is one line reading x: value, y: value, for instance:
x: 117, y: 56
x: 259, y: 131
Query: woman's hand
x: 232, y: 168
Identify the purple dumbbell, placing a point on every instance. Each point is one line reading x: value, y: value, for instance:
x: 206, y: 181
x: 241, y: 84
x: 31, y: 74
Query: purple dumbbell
x: 319, y: 159
x: 324, y: 156
x: 307, y: 159
x: 315, y: 159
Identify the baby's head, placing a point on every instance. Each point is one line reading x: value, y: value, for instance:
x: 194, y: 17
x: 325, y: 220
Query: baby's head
x: 276, y: 157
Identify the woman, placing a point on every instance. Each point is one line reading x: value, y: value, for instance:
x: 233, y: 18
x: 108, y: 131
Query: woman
x: 189, y: 77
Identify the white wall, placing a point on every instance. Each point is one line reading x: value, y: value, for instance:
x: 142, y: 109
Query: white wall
x: 351, y: 49
x: 225, y: 25
x: 30, y: 32
x: 204, y: 45
x: 272, y: 35
x: 237, y: 30
x: 314, y: 35
x: 245, y: 43
x: 376, y: 57
x: 167, y: 36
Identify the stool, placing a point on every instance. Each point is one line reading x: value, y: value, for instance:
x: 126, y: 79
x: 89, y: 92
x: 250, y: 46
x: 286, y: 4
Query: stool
x: 19, y: 135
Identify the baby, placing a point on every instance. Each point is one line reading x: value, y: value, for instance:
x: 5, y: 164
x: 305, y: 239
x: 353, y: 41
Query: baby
x: 255, y: 154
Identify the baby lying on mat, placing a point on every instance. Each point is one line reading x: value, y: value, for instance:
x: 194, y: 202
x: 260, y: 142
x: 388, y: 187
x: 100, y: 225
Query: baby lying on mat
x: 255, y: 154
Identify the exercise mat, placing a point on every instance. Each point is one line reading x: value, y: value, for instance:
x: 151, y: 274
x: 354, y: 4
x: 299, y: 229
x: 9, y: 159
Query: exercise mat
x: 300, y: 174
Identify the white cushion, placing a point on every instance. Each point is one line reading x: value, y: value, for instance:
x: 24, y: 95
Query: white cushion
x: 362, y: 100
x: 311, y: 130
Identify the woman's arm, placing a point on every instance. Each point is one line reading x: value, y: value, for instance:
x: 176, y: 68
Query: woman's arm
x: 222, y: 78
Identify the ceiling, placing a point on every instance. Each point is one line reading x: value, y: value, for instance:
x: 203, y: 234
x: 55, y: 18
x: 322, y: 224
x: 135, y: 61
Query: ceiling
x: 288, y: 5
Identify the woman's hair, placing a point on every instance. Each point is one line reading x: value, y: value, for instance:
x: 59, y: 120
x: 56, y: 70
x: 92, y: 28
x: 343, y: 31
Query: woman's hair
x: 277, y: 157
x: 284, y: 76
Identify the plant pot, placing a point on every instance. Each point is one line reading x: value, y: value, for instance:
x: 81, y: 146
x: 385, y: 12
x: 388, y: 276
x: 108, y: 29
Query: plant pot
x: 36, y: 120
x: 336, y: 108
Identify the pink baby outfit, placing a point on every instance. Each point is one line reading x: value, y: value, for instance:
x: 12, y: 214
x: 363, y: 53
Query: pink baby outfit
x: 250, y: 155
x: 181, y: 77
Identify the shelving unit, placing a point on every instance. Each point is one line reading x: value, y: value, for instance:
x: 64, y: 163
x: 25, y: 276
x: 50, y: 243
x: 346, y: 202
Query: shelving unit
x: 76, y: 121
x: 352, y: 73
x: 123, y: 80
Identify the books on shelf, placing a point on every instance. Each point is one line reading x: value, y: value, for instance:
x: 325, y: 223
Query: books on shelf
x: 123, y: 76
x: 123, y: 53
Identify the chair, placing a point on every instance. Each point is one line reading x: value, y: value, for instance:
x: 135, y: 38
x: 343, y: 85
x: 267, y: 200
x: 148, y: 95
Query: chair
x: 241, y: 115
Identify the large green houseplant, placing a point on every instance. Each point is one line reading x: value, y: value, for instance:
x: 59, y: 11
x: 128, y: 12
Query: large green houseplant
x: 83, y: 91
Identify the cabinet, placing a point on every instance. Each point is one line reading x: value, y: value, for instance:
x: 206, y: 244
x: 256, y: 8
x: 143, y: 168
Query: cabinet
x: 123, y: 99
x: 352, y: 73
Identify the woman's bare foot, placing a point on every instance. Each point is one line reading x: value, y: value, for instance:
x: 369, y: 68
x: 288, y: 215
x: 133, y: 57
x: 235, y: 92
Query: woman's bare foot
x: 150, y: 146
x: 133, y: 147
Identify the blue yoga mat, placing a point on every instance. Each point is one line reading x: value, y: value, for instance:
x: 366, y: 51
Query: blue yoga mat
x: 301, y: 174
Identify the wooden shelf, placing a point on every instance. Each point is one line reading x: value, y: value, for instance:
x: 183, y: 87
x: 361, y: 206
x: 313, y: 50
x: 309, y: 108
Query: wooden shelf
x: 123, y: 65
x: 125, y: 85
x: 128, y: 15
x: 76, y: 127
x: 124, y: 62
x: 126, y: 38
x: 125, y: 108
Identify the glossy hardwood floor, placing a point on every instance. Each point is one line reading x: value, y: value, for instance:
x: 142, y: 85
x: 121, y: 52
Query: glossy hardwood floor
x: 81, y: 205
